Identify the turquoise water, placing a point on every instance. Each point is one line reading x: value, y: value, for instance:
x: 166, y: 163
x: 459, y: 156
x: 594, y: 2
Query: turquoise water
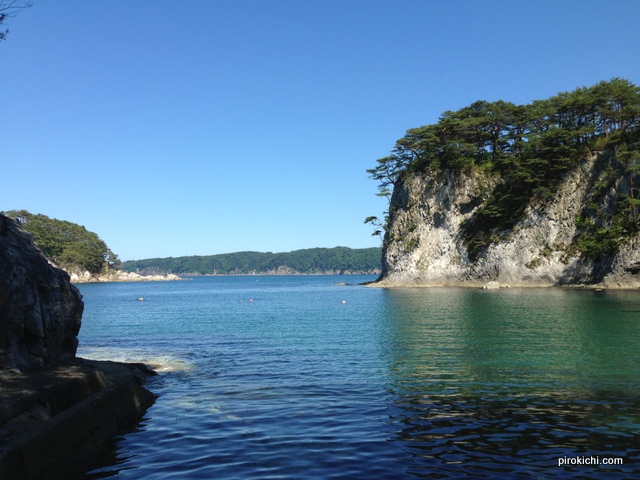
x: 299, y: 377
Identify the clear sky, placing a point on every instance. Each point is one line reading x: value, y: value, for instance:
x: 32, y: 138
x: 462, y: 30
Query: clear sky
x: 191, y: 127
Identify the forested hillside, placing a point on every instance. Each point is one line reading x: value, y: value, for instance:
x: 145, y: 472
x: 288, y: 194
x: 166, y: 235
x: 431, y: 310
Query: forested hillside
x: 68, y: 245
x: 74, y: 248
x: 308, y: 261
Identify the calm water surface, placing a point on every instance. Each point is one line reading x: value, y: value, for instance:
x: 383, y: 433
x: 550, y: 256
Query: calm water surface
x: 299, y: 377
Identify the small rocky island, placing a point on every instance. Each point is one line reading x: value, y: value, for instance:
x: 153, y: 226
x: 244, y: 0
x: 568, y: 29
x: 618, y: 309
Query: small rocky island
x: 545, y: 194
x: 58, y: 413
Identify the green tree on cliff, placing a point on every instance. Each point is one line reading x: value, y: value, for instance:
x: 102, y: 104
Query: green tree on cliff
x: 67, y: 244
x: 529, y: 148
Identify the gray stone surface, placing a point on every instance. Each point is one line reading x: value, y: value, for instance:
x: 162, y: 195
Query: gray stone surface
x: 58, y: 413
x: 424, y: 245
x: 40, y: 311
x: 56, y: 421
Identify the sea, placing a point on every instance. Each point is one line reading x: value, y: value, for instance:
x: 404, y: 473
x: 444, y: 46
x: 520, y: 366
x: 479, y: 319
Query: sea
x: 320, y: 377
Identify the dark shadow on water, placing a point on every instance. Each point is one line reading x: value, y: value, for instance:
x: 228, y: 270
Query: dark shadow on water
x: 517, y: 436
x: 113, y: 461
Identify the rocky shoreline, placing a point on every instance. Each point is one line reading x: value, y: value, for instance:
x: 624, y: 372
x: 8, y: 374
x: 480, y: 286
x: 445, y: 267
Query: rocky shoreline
x: 119, y: 276
x: 55, y: 422
x: 58, y: 413
x: 493, y: 285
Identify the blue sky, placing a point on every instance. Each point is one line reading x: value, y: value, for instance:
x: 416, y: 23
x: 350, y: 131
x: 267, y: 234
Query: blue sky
x: 190, y: 127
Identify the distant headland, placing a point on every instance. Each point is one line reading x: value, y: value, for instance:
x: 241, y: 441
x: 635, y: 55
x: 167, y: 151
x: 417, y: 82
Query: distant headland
x: 88, y: 259
x: 312, y: 261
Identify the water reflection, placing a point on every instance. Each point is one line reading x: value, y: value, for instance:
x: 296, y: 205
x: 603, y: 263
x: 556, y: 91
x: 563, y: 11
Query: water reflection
x: 391, y: 384
x: 488, y: 383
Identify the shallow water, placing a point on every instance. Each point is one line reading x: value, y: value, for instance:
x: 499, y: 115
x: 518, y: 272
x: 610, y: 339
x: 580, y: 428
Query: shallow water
x: 298, y: 377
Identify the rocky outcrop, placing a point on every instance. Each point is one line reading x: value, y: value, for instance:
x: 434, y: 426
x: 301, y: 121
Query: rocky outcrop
x: 425, y: 243
x: 55, y: 422
x: 118, y: 276
x: 40, y: 311
x: 57, y: 412
x: 625, y: 267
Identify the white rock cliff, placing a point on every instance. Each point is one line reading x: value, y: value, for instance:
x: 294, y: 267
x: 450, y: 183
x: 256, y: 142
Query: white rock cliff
x: 424, y: 243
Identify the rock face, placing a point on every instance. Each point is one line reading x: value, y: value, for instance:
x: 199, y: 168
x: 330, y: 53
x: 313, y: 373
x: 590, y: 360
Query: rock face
x: 118, y: 276
x: 56, y: 422
x: 425, y: 245
x: 58, y: 413
x: 40, y: 311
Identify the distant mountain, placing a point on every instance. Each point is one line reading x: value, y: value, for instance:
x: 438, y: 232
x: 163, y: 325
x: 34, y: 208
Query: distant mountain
x: 338, y: 261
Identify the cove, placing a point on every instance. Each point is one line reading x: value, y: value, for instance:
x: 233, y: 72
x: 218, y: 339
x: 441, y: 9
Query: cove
x: 299, y: 377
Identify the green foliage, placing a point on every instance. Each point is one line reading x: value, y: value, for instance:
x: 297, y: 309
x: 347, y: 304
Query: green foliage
x: 380, y: 227
x: 66, y: 244
x: 596, y: 241
x: 308, y: 261
x: 611, y: 214
x: 530, y: 148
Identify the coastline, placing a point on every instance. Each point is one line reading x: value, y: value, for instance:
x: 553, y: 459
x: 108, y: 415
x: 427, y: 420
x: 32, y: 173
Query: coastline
x: 58, y: 421
x: 119, y: 276
x: 496, y: 285
x: 275, y: 273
